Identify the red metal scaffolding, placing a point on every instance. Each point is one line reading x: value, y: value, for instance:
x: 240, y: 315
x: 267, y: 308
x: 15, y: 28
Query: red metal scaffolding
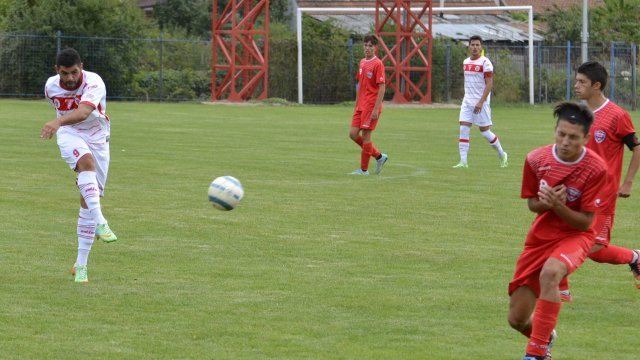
x: 406, y: 41
x: 240, y: 50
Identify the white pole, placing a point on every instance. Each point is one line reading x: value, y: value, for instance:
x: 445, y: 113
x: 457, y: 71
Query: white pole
x: 585, y: 31
x: 299, y: 37
x: 529, y: 8
x: 530, y: 55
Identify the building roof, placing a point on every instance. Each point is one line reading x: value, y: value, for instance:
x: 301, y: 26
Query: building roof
x: 541, y: 6
x: 491, y: 25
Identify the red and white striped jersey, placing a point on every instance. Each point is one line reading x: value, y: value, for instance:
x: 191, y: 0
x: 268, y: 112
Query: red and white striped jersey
x: 475, y: 71
x: 92, y: 92
x: 585, y: 179
x: 610, y: 126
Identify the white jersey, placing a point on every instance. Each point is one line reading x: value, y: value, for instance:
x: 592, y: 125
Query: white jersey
x: 475, y: 71
x: 92, y: 91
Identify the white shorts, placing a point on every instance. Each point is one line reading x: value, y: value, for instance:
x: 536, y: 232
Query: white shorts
x: 73, y: 147
x: 481, y: 119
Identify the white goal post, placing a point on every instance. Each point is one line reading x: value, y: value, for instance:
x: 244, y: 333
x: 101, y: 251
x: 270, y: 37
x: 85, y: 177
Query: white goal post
x: 300, y: 11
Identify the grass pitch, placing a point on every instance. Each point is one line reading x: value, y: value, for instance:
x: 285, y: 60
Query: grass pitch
x: 313, y: 264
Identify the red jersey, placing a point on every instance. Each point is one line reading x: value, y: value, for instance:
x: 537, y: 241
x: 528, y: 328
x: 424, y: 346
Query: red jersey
x: 610, y: 126
x: 584, y: 178
x: 370, y: 76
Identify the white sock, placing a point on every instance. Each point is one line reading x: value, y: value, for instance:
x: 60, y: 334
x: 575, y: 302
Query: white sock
x: 90, y: 191
x: 86, y: 235
x: 494, y: 142
x: 463, y: 143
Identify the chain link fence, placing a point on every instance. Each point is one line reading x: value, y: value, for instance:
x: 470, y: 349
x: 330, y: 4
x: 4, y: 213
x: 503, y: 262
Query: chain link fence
x: 174, y: 70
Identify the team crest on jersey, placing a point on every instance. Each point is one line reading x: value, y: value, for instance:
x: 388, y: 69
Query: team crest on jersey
x: 369, y: 74
x: 599, y: 135
x: 573, y: 194
x: 56, y: 103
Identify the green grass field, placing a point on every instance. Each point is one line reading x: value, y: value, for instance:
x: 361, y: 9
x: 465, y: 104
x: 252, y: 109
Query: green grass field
x: 313, y: 264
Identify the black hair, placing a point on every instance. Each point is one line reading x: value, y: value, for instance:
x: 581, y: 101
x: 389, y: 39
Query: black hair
x: 68, y: 57
x: 475, y: 37
x: 595, y: 72
x: 371, y: 38
x: 574, y: 113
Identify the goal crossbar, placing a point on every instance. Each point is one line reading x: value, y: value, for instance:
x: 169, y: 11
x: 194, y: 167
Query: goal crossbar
x: 312, y: 10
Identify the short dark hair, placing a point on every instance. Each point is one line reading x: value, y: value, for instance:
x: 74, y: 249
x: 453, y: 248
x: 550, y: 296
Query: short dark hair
x: 371, y: 38
x: 68, y: 57
x: 575, y: 114
x: 475, y: 37
x: 595, y: 72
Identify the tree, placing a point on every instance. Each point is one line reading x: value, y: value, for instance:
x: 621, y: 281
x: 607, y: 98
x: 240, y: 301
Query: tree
x: 193, y: 16
x: 115, y: 60
x: 616, y: 20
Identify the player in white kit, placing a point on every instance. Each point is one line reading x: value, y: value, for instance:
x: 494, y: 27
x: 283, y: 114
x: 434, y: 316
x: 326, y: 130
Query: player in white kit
x: 476, y: 108
x: 82, y: 131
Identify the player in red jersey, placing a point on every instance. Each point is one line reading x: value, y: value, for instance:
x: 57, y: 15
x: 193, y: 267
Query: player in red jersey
x: 563, y: 184
x: 371, y: 87
x: 612, y: 129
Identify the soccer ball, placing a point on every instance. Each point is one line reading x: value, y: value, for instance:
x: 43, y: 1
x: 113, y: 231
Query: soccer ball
x: 225, y: 193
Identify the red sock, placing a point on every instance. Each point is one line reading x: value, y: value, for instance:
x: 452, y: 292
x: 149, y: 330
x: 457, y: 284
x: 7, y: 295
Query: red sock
x: 374, y: 152
x: 365, y: 156
x: 564, y: 284
x: 544, y: 321
x: 612, y: 255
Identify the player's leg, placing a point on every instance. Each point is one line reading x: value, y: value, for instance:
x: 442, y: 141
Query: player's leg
x: 545, y: 316
x: 86, y: 234
x: 604, y: 252
x: 522, y: 303
x: 466, y: 120
x: 91, y: 182
x: 568, y: 256
x: 494, y: 141
x: 367, y: 150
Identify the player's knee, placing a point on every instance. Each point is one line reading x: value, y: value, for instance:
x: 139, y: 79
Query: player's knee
x: 518, y: 321
x: 86, y: 163
x: 552, y: 273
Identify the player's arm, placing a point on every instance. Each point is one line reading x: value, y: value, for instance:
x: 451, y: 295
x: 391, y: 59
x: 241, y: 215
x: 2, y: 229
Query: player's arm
x: 376, y: 107
x: 488, y: 85
x: 634, y: 164
x: 80, y: 114
x: 580, y: 220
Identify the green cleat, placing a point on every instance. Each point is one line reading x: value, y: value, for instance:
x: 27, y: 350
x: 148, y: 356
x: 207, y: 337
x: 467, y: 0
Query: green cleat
x: 460, y: 165
x: 104, y: 233
x: 504, y: 160
x: 81, y: 273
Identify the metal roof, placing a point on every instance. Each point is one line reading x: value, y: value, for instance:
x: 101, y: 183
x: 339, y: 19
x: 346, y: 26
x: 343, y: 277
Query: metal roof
x: 458, y: 27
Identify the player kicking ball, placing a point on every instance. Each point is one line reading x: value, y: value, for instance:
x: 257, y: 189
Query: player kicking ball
x: 82, y: 130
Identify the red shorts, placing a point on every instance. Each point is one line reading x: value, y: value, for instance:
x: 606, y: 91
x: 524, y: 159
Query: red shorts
x: 572, y: 250
x: 362, y: 119
x: 603, y: 225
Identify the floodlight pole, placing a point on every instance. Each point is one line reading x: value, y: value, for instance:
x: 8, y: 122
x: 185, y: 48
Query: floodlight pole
x: 299, y: 12
x: 585, y: 31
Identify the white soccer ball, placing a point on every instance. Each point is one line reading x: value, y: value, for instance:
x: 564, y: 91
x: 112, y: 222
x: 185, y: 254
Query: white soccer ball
x: 225, y: 193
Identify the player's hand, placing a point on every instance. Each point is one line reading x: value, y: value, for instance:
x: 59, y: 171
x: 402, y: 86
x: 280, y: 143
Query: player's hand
x: 49, y: 129
x: 374, y: 114
x: 477, y: 108
x: 625, y: 190
x: 553, y: 197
